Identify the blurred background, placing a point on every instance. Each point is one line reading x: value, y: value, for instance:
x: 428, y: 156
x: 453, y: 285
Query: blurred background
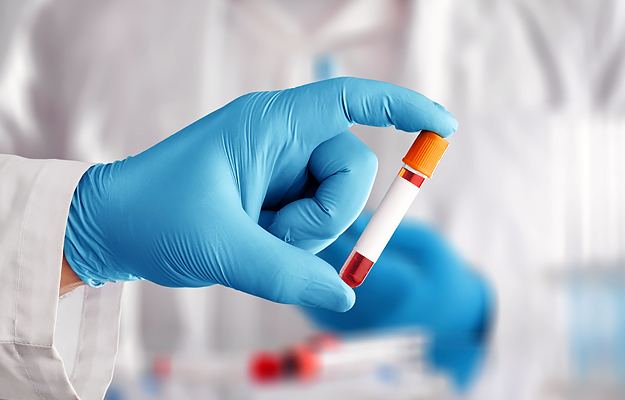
x: 531, y: 192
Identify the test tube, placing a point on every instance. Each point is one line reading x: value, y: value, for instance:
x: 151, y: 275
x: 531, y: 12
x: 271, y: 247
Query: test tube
x: 338, y: 358
x: 419, y: 163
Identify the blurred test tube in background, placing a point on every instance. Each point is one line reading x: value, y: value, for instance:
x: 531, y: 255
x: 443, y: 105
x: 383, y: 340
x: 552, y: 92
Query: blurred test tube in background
x: 325, y: 365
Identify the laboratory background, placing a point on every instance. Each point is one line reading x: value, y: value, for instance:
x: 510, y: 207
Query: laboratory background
x: 531, y: 192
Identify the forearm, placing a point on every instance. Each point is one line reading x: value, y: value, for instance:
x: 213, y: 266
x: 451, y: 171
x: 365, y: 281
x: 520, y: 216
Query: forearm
x: 69, y: 279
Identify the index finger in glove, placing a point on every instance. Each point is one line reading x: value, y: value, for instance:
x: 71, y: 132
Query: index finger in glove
x: 326, y: 108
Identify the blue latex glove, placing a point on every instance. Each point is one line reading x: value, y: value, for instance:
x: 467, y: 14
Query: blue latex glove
x: 419, y: 280
x: 186, y: 211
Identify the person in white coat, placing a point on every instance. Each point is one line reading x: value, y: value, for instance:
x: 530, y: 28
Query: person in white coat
x: 529, y: 98
x: 35, y: 197
x: 223, y: 201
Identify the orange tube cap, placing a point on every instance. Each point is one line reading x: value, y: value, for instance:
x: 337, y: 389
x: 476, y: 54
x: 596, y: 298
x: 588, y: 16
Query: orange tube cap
x: 425, y: 153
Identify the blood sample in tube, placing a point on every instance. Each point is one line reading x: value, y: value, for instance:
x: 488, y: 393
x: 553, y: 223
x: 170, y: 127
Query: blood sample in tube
x: 419, y: 164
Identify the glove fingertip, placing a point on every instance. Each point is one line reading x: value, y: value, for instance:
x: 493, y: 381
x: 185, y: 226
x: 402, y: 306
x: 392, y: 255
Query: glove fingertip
x: 339, y: 298
x: 454, y: 124
x: 347, y: 300
x: 450, y: 119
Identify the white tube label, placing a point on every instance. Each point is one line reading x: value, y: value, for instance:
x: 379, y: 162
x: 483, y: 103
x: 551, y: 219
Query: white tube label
x: 386, y: 218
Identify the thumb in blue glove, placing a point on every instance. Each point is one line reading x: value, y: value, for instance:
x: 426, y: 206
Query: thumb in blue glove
x: 186, y: 212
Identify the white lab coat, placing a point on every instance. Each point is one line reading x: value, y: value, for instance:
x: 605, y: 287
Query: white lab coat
x: 34, y: 201
x: 517, y: 193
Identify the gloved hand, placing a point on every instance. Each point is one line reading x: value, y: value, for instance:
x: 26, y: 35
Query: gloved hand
x: 418, y: 281
x: 186, y: 211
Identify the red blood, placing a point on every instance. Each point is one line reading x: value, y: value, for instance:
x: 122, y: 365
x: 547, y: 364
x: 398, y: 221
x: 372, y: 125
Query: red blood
x: 266, y: 367
x: 411, y: 177
x: 356, y: 270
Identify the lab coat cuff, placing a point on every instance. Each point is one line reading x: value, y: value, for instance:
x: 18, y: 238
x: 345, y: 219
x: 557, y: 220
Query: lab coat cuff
x: 35, y: 196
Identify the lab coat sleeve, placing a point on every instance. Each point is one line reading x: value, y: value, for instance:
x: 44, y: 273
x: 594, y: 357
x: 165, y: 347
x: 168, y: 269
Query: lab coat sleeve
x: 35, y: 196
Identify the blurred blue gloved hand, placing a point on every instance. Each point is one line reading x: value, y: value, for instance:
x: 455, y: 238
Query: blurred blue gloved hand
x: 419, y: 281
x: 186, y: 212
